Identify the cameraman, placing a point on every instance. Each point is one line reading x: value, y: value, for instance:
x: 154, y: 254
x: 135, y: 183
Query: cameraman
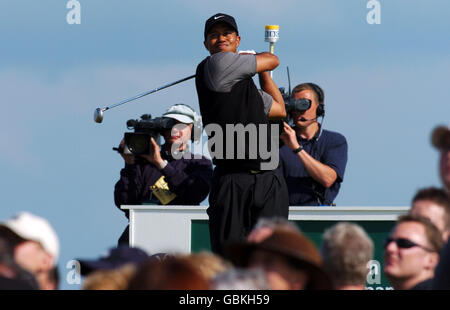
x: 144, y: 180
x: 313, y: 160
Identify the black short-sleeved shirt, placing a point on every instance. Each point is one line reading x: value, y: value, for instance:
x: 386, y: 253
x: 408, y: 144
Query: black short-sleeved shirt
x: 328, y: 147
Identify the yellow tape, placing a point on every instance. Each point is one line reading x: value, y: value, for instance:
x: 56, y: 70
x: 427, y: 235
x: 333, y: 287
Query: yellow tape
x: 272, y: 27
x: 161, y: 190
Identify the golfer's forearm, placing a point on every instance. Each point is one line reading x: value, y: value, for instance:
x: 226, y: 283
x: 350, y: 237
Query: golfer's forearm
x: 266, y: 62
x: 278, y: 110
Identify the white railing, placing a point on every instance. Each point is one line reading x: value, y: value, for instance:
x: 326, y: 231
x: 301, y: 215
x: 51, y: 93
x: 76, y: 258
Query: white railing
x: 167, y: 229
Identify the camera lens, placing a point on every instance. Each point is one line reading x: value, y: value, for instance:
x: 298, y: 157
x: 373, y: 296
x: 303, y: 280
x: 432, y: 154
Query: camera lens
x: 138, y: 144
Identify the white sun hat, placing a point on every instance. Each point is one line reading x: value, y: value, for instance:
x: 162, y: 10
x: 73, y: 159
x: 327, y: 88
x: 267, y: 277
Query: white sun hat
x: 182, y: 113
x: 32, y: 227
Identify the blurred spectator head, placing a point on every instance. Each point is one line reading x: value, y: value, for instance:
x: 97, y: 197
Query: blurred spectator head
x: 115, y: 258
x: 346, y: 250
x: 12, y: 276
x: 264, y: 227
x: 171, y: 273
x: 110, y: 279
x: 241, y: 279
x: 440, y: 138
x: 6, y: 256
x: 35, y: 243
x: 207, y: 263
x: 412, y: 251
x: 161, y: 256
x: 434, y: 204
x: 289, y: 258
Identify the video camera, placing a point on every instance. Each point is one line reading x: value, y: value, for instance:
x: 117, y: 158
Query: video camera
x: 138, y: 142
x: 293, y: 104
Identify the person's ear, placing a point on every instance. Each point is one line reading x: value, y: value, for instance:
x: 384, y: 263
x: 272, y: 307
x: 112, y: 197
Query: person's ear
x: 432, y: 260
x: 446, y: 235
x: 205, y: 45
x: 238, y: 41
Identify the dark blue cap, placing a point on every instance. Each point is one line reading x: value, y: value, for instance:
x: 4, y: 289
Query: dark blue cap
x: 115, y: 258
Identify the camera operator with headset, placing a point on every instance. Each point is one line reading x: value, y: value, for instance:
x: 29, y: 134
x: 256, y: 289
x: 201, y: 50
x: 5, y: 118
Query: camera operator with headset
x: 313, y: 160
x: 158, y: 177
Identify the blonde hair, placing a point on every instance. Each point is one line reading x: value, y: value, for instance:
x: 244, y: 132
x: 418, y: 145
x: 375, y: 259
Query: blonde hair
x: 115, y: 279
x: 207, y: 263
x: 172, y: 273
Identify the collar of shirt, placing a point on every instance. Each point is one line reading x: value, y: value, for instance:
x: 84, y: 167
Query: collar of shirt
x: 314, y: 138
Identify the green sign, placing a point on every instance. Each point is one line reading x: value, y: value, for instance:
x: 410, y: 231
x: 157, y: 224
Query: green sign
x: 377, y: 230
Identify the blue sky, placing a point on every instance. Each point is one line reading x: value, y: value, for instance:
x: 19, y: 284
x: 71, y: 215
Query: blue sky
x: 386, y: 88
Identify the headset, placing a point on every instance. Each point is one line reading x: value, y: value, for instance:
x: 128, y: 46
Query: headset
x: 320, y: 112
x: 305, y: 104
x: 196, y: 132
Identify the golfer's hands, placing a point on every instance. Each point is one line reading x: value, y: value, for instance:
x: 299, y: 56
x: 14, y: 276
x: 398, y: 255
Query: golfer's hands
x: 155, y: 154
x: 129, y: 158
x: 289, y: 137
x: 249, y: 52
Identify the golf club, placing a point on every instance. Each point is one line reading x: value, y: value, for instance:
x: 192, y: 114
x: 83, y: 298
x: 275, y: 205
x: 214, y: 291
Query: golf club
x: 98, y: 114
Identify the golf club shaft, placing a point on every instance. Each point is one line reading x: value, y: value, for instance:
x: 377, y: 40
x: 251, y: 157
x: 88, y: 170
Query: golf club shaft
x: 271, y: 51
x: 148, y: 92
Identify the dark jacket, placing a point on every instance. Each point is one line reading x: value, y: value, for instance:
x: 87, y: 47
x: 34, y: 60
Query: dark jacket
x: 189, y: 179
x: 424, y: 285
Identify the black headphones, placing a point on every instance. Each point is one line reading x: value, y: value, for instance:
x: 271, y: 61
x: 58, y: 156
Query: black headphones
x: 321, y: 96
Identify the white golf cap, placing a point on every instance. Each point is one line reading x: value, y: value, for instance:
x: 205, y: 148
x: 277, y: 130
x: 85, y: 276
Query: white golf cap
x: 32, y: 227
x: 182, y: 113
x: 441, y: 137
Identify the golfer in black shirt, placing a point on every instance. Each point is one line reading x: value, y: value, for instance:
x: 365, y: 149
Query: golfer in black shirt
x: 246, y: 184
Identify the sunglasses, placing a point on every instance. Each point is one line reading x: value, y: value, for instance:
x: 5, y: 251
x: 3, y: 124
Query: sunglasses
x: 403, y: 243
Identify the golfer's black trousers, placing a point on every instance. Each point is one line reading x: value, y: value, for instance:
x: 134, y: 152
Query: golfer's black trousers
x: 238, y: 199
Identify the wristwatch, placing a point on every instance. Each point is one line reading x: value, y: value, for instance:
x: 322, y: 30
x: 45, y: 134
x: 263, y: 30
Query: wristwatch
x: 163, y: 165
x: 298, y: 149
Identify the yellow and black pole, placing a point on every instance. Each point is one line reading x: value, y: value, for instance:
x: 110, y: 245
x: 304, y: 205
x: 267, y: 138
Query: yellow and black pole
x: 272, y: 36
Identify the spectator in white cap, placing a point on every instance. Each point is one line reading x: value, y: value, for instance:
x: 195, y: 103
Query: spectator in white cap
x: 35, y: 244
x: 441, y: 140
x: 161, y: 177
